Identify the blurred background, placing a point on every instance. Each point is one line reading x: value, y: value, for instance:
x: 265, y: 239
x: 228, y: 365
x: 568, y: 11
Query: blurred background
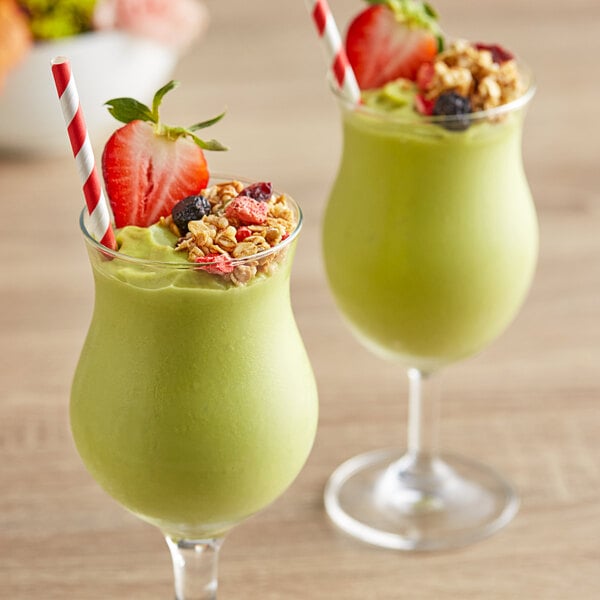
x: 528, y: 404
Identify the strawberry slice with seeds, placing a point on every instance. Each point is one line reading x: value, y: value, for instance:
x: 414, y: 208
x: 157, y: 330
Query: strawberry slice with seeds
x: 147, y: 166
x: 390, y: 40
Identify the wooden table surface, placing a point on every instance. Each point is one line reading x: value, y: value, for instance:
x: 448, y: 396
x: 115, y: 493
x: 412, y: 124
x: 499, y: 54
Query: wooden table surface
x: 528, y: 405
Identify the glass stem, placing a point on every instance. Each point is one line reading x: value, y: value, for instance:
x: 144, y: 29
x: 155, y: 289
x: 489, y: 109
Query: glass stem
x: 423, y: 417
x: 195, y: 568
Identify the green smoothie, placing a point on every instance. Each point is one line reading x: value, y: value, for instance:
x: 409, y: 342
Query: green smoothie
x: 430, y: 235
x: 193, y: 404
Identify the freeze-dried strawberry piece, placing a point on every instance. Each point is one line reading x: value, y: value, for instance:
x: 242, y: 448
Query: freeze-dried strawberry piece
x: 217, y: 264
x: 247, y: 210
x: 242, y: 233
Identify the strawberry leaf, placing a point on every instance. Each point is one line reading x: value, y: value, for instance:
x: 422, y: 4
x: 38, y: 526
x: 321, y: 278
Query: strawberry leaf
x: 205, y: 124
x: 160, y: 94
x: 172, y: 133
x: 441, y: 43
x: 430, y: 10
x: 208, y: 145
x: 128, y: 109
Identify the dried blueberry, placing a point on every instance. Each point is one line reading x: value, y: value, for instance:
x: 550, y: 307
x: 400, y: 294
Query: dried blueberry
x: 260, y: 191
x: 451, y: 104
x: 189, y: 209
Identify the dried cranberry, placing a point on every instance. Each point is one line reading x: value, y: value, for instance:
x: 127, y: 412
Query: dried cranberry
x: 242, y: 233
x: 260, y: 191
x: 424, y: 106
x: 499, y: 54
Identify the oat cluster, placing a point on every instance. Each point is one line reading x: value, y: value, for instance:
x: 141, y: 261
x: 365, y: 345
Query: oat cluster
x: 472, y: 72
x: 216, y: 240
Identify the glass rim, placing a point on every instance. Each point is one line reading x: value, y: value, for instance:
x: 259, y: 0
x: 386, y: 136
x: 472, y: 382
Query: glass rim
x: 418, y: 119
x: 214, y: 178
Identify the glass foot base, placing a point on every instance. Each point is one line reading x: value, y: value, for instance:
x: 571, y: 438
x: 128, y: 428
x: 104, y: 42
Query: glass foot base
x: 395, y: 501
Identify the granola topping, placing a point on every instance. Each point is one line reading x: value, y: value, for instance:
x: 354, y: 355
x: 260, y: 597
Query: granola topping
x: 471, y: 71
x: 237, y: 227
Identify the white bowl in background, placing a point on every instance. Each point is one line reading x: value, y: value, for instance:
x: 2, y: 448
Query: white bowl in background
x: 105, y: 64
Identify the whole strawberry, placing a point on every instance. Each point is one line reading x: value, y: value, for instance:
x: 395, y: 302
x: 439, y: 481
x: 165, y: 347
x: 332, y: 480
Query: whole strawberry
x: 392, y: 39
x: 149, y: 166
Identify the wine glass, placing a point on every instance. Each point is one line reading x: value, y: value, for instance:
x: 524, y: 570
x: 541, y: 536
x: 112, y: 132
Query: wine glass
x: 193, y: 404
x: 430, y: 243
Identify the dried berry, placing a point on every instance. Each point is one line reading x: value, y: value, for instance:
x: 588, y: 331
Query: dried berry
x: 217, y: 264
x: 242, y: 233
x: 499, y: 54
x: 192, y: 208
x: 451, y: 104
x: 424, y: 106
x: 260, y: 191
x: 247, y: 210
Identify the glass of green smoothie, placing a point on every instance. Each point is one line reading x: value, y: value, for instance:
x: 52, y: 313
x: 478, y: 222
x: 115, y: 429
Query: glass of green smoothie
x: 430, y: 244
x: 193, y: 404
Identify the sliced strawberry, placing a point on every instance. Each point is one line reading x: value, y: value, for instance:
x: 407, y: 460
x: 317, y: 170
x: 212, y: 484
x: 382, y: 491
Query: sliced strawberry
x: 147, y: 166
x: 384, y: 44
x: 146, y: 175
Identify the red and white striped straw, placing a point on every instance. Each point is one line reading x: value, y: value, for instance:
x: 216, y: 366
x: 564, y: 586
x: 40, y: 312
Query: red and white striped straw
x: 98, y: 223
x: 334, y: 49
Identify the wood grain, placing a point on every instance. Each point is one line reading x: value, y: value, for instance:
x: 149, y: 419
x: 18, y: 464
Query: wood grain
x: 529, y: 405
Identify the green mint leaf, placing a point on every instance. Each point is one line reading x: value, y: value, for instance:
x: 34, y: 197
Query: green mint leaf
x: 160, y: 94
x: 205, y: 124
x: 128, y: 109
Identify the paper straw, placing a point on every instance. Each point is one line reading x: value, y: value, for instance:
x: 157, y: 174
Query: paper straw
x: 334, y: 49
x: 98, y: 223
